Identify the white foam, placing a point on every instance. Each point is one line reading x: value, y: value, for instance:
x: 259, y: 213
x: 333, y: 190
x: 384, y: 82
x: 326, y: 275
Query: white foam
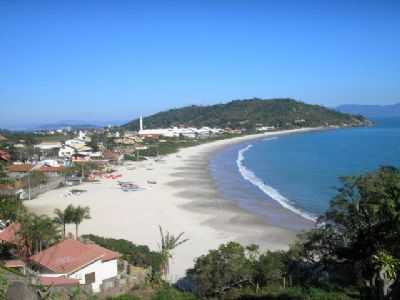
x: 270, y: 191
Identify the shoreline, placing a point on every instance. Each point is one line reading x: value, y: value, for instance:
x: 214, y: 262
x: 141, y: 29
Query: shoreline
x: 185, y: 199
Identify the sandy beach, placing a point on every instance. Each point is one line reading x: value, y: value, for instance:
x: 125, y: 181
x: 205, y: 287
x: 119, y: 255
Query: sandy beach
x: 184, y: 198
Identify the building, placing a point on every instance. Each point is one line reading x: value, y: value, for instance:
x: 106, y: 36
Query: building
x: 46, y: 146
x: 5, y: 155
x: 49, y: 167
x: 72, y: 260
x: 188, y: 132
x: 19, y: 170
x: 113, y: 156
x: 9, y: 235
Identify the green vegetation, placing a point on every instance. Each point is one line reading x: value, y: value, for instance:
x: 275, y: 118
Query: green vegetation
x: 164, y: 292
x: 3, y: 286
x: 71, y: 215
x: 83, y: 169
x: 79, y: 214
x: 37, y: 233
x: 136, y: 255
x: 169, y: 242
x: 353, y: 252
x: 250, y: 113
x: 167, y: 292
x: 11, y: 208
x: 13, y: 137
x: 4, y: 178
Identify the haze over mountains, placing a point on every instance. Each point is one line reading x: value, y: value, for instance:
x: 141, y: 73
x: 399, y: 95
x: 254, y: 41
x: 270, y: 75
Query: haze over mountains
x: 372, y: 111
x: 74, y: 124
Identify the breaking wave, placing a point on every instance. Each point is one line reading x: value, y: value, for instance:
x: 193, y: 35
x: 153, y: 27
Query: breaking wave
x: 270, y: 191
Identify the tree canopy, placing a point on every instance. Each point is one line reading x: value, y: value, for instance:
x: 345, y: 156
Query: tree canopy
x: 250, y: 113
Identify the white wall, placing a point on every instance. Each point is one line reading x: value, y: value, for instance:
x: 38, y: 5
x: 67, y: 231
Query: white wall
x: 103, y: 270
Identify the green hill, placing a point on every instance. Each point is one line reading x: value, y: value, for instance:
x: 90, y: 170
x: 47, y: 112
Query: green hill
x: 250, y: 113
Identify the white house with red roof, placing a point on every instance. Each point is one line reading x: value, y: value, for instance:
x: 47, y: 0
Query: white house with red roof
x: 72, y: 262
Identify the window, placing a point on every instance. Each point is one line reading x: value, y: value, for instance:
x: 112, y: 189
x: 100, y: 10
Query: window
x: 90, y: 278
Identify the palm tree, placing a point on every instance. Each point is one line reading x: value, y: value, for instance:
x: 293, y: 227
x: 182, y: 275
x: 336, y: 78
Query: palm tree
x: 79, y: 214
x: 64, y: 217
x: 60, y: 219
x: 168, y: 243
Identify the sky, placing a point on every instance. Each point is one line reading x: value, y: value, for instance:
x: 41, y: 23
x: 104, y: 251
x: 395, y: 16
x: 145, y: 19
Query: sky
x: 115, y: 60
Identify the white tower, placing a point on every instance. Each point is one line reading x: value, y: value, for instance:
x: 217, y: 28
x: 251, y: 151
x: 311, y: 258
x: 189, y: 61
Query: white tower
x: 140, y: 123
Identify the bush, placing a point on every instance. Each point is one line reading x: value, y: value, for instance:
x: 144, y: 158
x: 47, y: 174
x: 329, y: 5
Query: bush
x: 137, y: 255
x: 170, y: 293
x: 294, y: 293
x: 124, y: 297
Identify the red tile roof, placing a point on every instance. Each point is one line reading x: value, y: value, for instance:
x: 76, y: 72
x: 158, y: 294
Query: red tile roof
x: 58, y: 281
x: 51, y: 169
x: 108, y: 254
x: 28, y: 167
x: 9, y: 234
x: 20, y: 168
x: 71, y: 255
x: 5, y: 155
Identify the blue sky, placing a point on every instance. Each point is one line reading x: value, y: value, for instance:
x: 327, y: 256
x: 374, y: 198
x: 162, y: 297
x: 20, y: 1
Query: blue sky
x: 114, y: 60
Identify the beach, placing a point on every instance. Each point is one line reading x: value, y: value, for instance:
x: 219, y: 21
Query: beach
x: 184, y: 198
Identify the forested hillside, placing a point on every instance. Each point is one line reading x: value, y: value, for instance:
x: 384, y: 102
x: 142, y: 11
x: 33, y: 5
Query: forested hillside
x: 250, y: 113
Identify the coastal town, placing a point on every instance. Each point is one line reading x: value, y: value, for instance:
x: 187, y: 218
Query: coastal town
x: 69, y: 157
x: 71, y: 162
x: 200, y: 150
x: 63, y: 189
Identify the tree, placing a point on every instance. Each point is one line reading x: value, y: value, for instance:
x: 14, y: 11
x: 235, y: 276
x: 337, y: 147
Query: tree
x: 64, y: 217
x: 36, y: 233
x: 363, y: 222
x: 4, y: 178
x: 270, y: 268
x: 78, y: 215
x: 168, y: 244
x: 221, y: 270
x: 10, y: 208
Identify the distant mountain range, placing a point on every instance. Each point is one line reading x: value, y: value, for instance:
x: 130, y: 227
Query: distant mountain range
x: 74, y: 124
x: 66, y: 124
x: 372, y: 111
x: 250, y: 113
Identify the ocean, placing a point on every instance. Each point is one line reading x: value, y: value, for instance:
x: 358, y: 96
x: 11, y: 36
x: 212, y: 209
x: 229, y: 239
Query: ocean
x: 291, y: 179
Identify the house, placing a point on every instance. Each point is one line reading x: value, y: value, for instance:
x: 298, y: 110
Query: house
x: 48, y: 146
x: 112, y: 156
x: 9, y: 235
x: 51, y: 171
x: 5, y: 155
x: 18, y: 170
x: 71, y: 259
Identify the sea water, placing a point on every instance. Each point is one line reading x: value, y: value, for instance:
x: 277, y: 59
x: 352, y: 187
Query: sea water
x: 300, y: 173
